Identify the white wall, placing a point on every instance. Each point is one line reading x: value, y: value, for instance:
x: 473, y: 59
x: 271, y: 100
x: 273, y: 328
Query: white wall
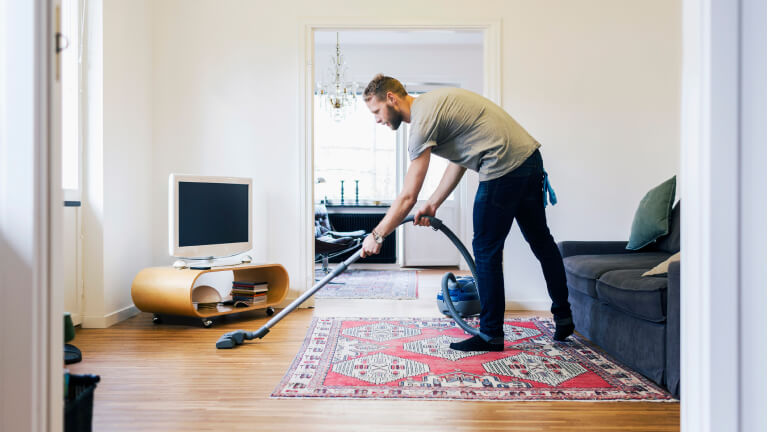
x: 128, y: 147
x: 596, y: 82
x: 117, y: 146
x: 216, y: 103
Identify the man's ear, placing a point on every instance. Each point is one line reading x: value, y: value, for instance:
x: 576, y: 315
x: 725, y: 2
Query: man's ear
x: 391, y: 98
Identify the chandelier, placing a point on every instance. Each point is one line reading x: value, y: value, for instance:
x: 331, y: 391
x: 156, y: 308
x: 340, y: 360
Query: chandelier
x: 337, y: 96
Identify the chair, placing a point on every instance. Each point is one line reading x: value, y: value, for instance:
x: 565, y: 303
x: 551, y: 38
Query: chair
x: 330, y: 243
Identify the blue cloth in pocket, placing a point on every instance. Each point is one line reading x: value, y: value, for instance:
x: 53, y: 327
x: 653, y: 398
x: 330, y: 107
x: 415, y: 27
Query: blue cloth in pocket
x: 548, y: 190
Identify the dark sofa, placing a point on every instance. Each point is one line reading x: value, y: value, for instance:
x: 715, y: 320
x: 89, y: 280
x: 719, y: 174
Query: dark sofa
x: 635, y: 319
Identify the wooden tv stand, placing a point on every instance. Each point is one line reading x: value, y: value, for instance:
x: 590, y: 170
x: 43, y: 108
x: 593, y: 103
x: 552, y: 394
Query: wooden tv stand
x: 167, y: 290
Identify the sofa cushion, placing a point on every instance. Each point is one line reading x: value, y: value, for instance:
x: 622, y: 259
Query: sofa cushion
x: 653, y: 215
x: 582, y: 271
x: 630, y: 292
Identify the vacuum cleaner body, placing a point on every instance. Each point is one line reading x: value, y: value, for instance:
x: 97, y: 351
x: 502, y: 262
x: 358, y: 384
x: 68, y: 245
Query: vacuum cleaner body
x: 463, y: 295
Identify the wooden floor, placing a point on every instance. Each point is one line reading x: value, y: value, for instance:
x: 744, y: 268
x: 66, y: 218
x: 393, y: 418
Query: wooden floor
x: 170, y: 377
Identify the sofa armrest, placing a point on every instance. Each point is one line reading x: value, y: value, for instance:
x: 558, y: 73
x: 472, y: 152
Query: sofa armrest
x: 571, y: 248
x: 672, y: 366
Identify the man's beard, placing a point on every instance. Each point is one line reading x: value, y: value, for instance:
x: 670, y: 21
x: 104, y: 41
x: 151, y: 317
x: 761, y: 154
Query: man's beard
x: 395, y: 118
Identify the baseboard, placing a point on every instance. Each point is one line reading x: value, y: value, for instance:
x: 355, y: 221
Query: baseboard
x: 109, y: 319
x: 291, y: 296
x: 528, y: 305
x: 77, y: 319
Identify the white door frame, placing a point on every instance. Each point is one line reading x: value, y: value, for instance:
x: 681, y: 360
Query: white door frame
x: 53, y: 216
x: 723, y: 194
x: 31, y: 311
x: 491, y: 29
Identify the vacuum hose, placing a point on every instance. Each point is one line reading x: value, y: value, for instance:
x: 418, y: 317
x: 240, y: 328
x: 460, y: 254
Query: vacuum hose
x: 232, y: 339
x: 449, y: 277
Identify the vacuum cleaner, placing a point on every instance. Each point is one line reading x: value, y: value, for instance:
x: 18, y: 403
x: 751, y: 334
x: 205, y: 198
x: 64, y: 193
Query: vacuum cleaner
x: 464, y: 297
x: 458, y: 298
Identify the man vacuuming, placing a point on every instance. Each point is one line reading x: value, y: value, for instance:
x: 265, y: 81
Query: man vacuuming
x: 474, y: 133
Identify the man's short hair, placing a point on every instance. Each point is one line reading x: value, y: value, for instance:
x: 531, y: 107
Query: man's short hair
x: 380, y: 85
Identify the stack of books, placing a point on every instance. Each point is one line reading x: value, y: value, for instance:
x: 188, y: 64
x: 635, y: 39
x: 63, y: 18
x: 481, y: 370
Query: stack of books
x: 249, y: 293
x: 207, y: 307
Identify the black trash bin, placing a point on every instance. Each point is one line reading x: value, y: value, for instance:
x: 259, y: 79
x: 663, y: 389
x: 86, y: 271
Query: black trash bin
x: 78, y: 403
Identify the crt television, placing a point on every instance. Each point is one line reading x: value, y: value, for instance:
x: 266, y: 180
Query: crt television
x: 208, y: 217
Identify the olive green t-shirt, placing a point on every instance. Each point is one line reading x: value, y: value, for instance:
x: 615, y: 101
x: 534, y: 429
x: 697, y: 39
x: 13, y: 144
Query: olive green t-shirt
x: 468, y: 130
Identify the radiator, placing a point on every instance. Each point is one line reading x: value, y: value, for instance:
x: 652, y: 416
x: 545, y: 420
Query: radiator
x: 367, y: 222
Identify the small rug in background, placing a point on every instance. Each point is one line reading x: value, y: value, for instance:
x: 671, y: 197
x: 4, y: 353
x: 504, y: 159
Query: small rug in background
x: 409, y: 358
x: 371, y: 284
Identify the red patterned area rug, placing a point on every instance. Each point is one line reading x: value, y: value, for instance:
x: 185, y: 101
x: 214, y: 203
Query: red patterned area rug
x: 409, y: 358
x: 371, y: 284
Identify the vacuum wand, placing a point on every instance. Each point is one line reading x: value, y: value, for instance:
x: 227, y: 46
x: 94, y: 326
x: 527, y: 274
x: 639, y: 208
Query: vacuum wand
x: 232, y: 339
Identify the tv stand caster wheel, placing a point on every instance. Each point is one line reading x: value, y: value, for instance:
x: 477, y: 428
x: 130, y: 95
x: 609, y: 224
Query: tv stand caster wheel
x: 270, y: 311
x: 207, y: 323
x: 156, y: 319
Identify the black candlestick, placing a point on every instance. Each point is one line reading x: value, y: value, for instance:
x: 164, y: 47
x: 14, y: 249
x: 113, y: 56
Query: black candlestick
x: 356, y: 192
x: 342, y: 192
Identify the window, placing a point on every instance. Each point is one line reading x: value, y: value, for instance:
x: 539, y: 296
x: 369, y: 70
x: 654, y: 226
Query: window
x: 359, y: 149
x: 71, y: 27
x: 354, y: 149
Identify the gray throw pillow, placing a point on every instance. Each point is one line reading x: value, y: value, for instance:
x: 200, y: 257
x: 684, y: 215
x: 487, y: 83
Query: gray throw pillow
x: 653, y: 215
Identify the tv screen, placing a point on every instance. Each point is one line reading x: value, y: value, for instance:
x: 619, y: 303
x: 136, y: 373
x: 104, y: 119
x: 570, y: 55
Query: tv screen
x: 212, y: 213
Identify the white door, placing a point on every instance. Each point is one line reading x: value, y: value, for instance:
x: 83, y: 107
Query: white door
x: 425, y: 246
x: 70, y: 276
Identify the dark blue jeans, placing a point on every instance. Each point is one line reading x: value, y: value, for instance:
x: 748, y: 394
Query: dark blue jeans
x: 517, y: 195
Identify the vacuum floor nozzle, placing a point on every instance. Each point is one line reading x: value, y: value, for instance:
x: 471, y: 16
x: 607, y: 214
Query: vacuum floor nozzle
x: 232, y: 339
x: 235, y: 338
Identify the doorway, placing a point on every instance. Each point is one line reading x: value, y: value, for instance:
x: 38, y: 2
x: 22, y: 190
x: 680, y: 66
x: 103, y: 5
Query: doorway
x: 372, y: 49
x: 351, y: 150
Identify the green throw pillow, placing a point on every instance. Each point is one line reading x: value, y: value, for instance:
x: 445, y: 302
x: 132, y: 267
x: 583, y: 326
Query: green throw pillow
x: 652, y: 215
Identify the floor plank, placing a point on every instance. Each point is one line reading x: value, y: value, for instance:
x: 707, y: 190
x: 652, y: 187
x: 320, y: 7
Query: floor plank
x: 170, y: 377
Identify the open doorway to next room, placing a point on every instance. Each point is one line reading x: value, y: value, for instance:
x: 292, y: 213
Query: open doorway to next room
x: 359, y: 166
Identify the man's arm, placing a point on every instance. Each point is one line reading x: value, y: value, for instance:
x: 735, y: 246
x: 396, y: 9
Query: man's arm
x: 451, y: 178
x: 403, y: 204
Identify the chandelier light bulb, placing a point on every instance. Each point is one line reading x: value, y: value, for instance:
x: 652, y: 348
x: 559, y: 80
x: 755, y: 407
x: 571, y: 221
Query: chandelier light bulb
x: 338, y: 97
